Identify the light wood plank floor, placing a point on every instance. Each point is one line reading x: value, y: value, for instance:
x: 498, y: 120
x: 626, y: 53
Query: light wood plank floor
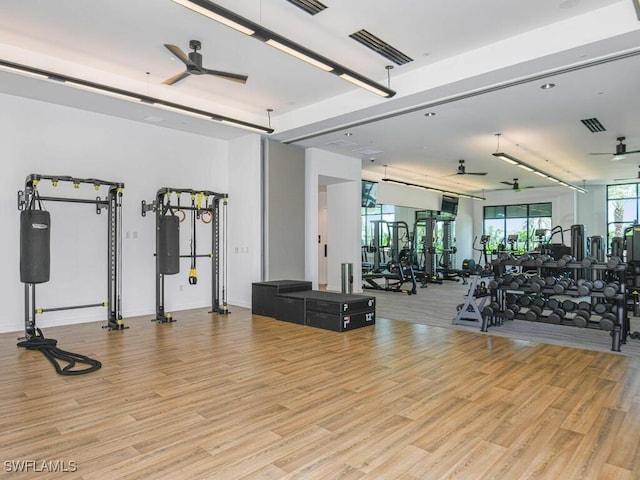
x: 248, y: 397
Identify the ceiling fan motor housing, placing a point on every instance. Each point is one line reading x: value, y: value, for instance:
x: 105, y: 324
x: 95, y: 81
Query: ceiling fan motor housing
x: 196, y: 58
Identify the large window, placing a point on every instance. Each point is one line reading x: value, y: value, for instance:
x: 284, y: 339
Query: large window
x: 622, y: 208
x: 514, y: 227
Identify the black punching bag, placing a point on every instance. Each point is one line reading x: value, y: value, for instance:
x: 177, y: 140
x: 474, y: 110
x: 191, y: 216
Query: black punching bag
x: 35, y: 246
x: 168, y: 244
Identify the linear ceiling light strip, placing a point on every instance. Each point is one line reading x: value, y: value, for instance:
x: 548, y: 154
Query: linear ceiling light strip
x: 241, y: 24
x: 126, y: 95
x: 510, y: 159
x: 434, y: 189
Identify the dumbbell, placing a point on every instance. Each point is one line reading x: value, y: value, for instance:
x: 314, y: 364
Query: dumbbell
x: 611, y: 289
x: 553, y: 303
x: 507, y: 278
x: 495, y: 283
x: 607, y: 321
x: 533, y: 313
x: 562, y: 285
x: 601, y: 308
x: 539, y: 301
x: 511, y: 311
x: 542, y: 259
x: 525, y: 300
x: 568, y: 306
x: 581, y: 318
x: 491, y: 310
x: 536, y: 283
x: 562, y: 261
x: 584, y: 305
x: 598, y: 284
x: 550, y: 281
x: 557, y: 315
x: 584, y: 287
x: 613, y: 262
x: 588, y: 261
x: 519, y: 281
x: 525, y: 258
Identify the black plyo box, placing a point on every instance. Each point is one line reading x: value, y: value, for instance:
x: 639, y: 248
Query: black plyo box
x: 340, y: 323
x: 338, y: 303
x: 290, y: 308
x: 263, y: 294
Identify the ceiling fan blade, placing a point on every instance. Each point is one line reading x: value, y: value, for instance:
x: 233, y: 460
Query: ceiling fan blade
x: 633, y: 151
x: 507, y: 183
x: 476, y: 173
x: 601, y: 153
x: 176, y: 78
x: 234, y: 77
x: 180, y: 55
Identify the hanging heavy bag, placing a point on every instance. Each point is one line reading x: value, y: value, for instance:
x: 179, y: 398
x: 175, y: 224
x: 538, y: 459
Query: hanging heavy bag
x: 35, y: 246
x: 168, y: 244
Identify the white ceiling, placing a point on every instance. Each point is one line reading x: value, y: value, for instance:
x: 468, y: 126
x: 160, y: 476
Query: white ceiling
x: 477, y: 65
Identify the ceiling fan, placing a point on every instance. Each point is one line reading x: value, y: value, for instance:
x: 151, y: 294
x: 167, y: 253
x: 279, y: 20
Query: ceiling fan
x: 463, y: 171
x: 621, y: 151
x: 193, y: 62
x: 515, y: 185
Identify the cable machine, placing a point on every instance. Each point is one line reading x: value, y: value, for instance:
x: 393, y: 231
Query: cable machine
x: 391, y: 275
x: 35, y: 260
x: 449, y: 250
x: 207, y: 206
x: 426, y: 262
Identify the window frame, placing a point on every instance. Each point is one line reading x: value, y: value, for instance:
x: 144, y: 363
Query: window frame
x: 504, y: 218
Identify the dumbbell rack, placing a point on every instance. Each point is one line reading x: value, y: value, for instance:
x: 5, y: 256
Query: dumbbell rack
x: 616, y: 323
x: 475, y: 300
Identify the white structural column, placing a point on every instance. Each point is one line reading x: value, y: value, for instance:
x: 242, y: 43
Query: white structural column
x: 341, y: 176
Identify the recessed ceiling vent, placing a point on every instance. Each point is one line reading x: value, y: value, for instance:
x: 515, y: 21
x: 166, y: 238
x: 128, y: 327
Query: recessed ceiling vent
x: 367, y: 151
x: 342, y: 143
x: 381, y: 47
x: 310, y: 6
x: 594, y: 125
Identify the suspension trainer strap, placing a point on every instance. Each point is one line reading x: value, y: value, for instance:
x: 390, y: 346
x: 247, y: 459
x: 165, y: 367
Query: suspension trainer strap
x: 193, y: 273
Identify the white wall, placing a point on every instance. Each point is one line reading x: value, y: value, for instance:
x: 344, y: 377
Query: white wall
x: 322, y: 232
x: 245, y: 213
x: 285, y: 212
x: 407, y: 196
x: 464, y: 233
x: 342, y: 176
x: 49, y: 139
x: 592, y: 210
